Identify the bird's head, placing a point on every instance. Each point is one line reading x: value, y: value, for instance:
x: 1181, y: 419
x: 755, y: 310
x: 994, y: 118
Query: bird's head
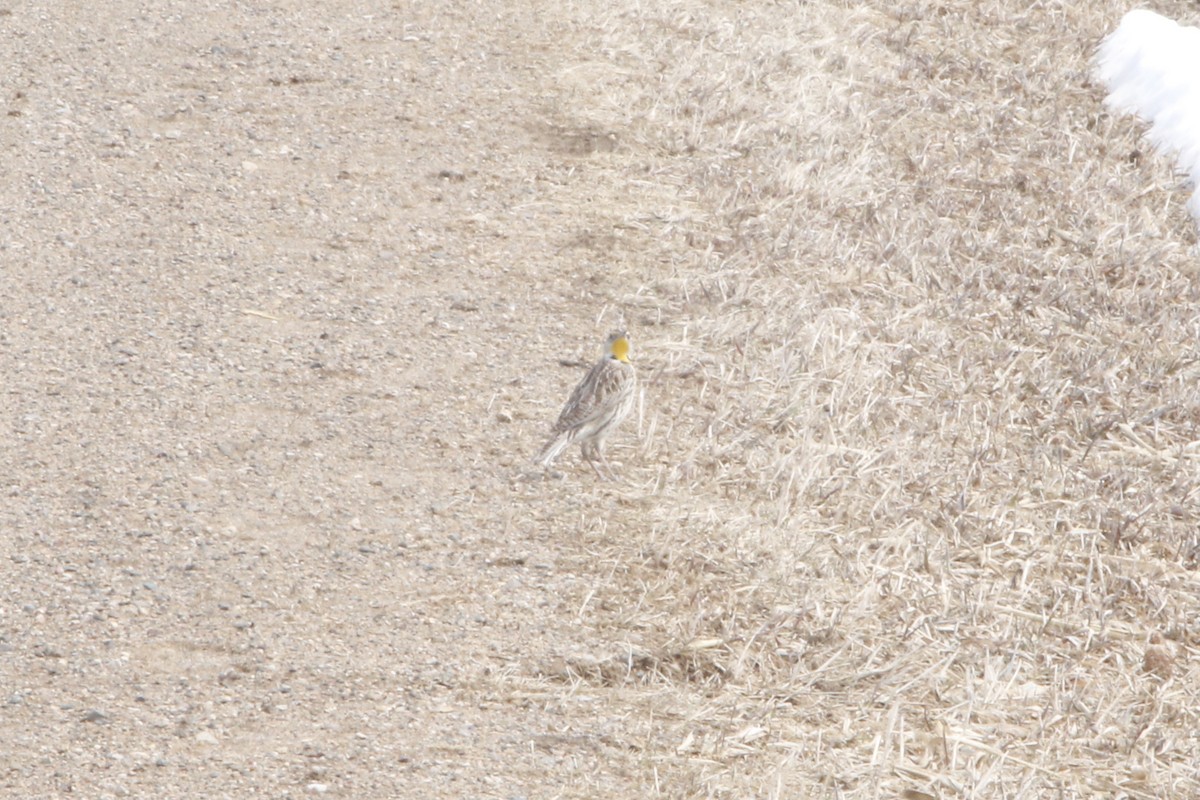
x: 619, y: 346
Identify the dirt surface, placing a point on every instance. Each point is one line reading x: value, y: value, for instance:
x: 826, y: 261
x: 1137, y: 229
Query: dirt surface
x: 292, y: 292
x: 272, y: 275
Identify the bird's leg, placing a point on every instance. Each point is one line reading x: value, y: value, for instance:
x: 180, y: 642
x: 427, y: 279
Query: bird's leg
x: 599, y: 450
x: 589, y: 452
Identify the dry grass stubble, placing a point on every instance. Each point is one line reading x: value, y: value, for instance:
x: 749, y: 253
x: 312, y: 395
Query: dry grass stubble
x: 912, y: 508
x: 921, y: 439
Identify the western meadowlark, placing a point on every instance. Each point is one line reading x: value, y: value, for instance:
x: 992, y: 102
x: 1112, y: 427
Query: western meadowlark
x: 597, y: 406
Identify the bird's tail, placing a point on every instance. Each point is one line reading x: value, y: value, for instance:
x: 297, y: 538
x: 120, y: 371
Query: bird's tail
x: 553, y: 449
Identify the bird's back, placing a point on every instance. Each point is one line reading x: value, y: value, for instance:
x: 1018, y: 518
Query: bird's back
x: 600, y: 400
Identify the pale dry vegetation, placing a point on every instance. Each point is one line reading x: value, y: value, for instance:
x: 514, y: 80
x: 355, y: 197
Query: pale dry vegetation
x: 294, y: 290
x: 914, y: 506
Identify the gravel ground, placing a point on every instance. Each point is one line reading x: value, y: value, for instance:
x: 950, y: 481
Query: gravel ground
x: 292, y: 290
x: 264, y: 266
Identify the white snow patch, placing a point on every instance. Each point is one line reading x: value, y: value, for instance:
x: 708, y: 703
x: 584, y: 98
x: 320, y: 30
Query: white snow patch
x: 1151, y: 66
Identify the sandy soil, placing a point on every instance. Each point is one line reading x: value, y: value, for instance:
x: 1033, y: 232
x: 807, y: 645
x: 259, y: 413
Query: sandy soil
x: 272, y: 275
x: 292, y: 291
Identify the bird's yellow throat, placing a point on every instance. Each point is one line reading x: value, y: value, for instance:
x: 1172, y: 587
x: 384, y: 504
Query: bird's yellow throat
x: 620, y: 349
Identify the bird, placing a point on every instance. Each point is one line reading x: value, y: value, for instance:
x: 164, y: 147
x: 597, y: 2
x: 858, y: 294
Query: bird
x: 601, y: 401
